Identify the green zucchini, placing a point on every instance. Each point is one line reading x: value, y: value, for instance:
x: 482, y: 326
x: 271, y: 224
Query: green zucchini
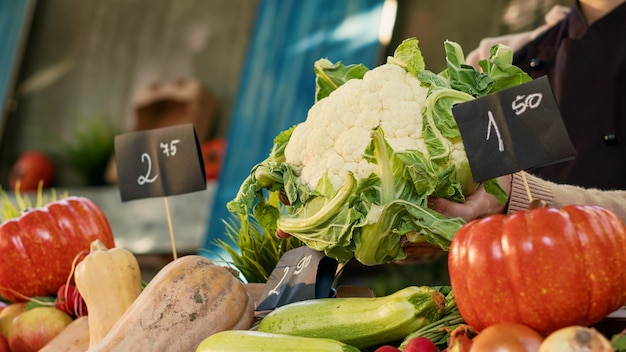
x: 249, y: 340
x: 358, y: 321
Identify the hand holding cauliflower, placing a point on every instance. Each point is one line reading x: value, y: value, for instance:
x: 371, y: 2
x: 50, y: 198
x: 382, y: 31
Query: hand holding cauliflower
x: 355, y: 177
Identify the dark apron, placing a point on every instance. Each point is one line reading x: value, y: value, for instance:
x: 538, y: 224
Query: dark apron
x: 586, y: 66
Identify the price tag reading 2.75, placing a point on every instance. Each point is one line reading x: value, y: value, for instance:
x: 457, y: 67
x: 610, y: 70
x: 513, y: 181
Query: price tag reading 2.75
x: 159, y: 162
x: 514, y: 129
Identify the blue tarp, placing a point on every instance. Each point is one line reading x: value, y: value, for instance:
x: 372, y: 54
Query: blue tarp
x: 15, y: 16
x: 277, y: 87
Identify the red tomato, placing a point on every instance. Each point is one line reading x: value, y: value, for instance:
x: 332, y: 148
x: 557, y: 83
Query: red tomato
x: 30, y: 168
x: 507, y: 337
x: 39, y: 246
x: 545, y: 268
x: 213, y: 152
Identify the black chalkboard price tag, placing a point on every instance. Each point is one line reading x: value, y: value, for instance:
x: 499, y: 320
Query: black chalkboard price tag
x: 512, y: 130
x: 300, y: 274
x: 159, y: 162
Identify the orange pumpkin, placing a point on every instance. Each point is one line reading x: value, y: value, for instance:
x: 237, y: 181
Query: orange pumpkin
x: 545, y: 268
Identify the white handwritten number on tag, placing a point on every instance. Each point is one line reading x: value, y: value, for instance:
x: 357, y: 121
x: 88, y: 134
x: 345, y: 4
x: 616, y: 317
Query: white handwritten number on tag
x: 170, y: 149
x: 302, y: 264
x: 519, y: 106
x: 523, y: 102
x: 492, y: 124
x: 146, y: 178
x: 276, y: 289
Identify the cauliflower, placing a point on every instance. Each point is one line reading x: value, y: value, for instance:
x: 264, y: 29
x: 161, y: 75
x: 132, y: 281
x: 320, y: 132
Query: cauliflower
x: 354, y: 178
x: 338, y: 127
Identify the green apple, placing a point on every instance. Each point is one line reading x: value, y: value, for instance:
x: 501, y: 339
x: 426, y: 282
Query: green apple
x: 7, y: 314
x: 35, y: 327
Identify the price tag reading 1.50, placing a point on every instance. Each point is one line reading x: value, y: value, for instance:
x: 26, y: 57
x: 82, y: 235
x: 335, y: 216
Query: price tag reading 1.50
x: 159, y: 162
x: 515, y: 129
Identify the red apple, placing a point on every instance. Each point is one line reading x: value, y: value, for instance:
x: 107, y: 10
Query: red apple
x: 30, y: 168
x: 7, y: 314
x: 4, y: 344
x: 35, y: 327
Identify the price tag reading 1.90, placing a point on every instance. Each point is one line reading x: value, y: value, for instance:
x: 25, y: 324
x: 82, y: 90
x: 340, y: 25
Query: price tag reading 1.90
x: 159, y: 162
x: 514, y: 129
x: 300, y: 274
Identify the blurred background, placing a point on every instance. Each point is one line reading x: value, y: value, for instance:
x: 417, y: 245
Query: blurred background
x: 77, y: 65
x: 73, y: 74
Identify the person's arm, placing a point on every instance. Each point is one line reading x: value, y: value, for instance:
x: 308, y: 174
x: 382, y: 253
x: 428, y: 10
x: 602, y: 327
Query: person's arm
x: 519, y: 185
x: 515, y: 40
x: 558, y: 195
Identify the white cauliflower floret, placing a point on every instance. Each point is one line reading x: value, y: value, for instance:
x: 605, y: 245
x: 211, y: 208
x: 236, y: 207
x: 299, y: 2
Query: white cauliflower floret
x: 337, y: 129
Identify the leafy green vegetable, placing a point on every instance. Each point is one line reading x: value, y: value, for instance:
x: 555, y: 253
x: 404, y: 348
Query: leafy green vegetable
x: 330, y: 76
x: 254, y: 250
x: 367, y: 217
x: 396, y: 208
x: 499, y: 68
x: 408, y: 56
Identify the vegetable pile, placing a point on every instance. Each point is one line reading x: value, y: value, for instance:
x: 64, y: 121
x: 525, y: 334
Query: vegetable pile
x: 355, y: 177
x: 353, y: 181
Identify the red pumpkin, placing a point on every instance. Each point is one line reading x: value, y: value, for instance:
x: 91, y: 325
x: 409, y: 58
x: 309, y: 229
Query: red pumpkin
x: 37, y: 248
x: 545, y: 268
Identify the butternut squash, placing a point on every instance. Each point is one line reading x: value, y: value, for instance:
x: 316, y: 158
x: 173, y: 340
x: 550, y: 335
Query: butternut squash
x: 109, y: 280
x: 74, y: 338
x: 186, y: 301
